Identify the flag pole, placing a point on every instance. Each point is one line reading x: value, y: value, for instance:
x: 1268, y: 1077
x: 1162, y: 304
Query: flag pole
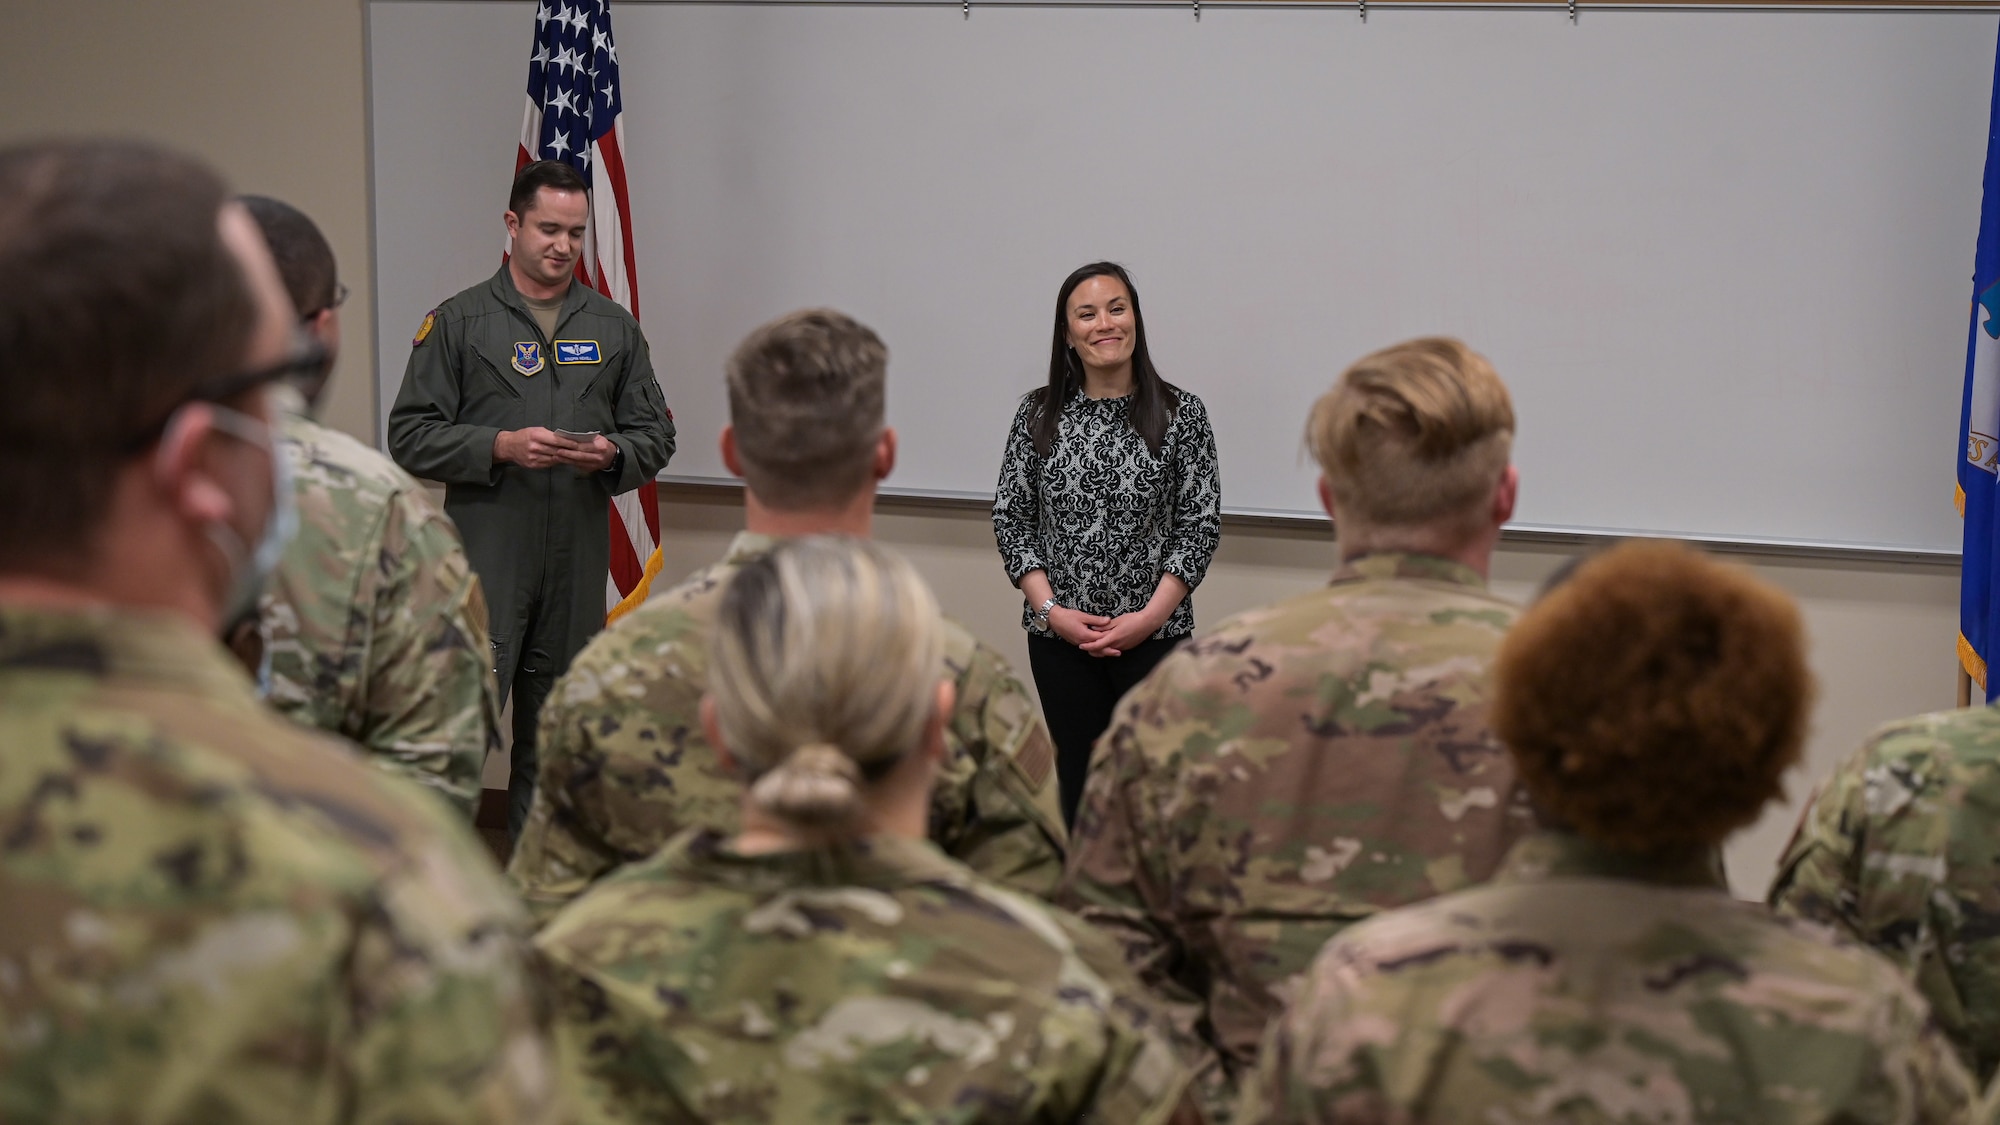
x: 1964, y: 688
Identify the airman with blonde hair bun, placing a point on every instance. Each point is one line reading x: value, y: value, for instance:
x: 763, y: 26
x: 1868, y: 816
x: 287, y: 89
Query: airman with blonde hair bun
x: 826, y: 963
x: 809, y: 723
x: 1651, y: 701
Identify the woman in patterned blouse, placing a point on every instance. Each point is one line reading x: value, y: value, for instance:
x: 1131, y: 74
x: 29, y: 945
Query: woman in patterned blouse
x: 1107, y: 514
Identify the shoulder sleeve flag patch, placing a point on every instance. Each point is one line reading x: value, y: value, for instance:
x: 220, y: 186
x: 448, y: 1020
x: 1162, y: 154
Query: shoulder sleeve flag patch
x: 1036, y: 759
x: 424, y: 329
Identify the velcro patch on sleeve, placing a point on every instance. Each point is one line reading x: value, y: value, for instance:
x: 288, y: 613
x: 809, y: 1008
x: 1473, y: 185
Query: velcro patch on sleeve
x: 424, y: 329
x: 1036, y: 759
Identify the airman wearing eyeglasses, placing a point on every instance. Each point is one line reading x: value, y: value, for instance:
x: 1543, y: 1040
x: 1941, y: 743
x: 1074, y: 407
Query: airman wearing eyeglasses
x: 211, y: 914
x: 374, y: 626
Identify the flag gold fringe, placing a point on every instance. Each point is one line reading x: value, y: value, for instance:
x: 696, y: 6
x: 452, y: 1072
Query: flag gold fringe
x: 1970, y: 661
x: 639, y: 593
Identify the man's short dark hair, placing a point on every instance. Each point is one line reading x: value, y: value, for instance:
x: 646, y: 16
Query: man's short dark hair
x: 305, y: 262
x: 118, y: 299
x: 304, y: 259
x: 806, y: 396
x: 538, y: 175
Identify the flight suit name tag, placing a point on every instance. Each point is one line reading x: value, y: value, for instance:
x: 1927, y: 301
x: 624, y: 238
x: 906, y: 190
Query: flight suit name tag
x: 527, y: 357
x: 577, y: 351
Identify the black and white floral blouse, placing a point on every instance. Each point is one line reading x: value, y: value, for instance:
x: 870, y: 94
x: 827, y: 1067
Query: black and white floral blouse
x: 1105, y: 517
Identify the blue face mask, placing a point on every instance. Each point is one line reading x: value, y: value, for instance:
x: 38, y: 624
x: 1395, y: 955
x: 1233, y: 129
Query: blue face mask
x: 250, y: 570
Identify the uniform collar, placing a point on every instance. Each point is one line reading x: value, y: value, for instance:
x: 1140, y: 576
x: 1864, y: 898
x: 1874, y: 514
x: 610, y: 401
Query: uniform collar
x: 150, y: 647
x: 287, y: 402
x: 878, y: 862
x: 503, y: 290
x: 1548, y: 855
x: 747, y: 546
x: 1398, y: 564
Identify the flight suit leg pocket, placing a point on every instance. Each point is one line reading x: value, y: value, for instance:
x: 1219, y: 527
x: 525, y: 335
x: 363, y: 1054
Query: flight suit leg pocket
x: 503, y: 664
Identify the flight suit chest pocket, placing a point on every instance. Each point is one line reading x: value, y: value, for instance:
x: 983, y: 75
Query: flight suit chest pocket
x: 585, y: 371
x: 492, y: 396
x: 496, y: 369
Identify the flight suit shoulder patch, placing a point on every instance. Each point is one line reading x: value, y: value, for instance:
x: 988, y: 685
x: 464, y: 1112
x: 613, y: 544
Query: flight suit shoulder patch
x: 424, y: 329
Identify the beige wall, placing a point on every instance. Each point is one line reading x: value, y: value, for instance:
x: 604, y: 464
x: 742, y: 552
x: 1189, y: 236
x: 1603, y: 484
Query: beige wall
x: 274, y: 94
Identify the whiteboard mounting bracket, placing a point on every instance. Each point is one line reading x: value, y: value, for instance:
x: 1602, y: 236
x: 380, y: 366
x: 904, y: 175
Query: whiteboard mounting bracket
x: 1361, y: 7
x: 1572, y: 12
x: 968, y: 9
x: 1197, y: 11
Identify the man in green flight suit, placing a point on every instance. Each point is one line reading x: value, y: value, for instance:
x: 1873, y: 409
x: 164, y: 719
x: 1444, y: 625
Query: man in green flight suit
x: 533, y: 400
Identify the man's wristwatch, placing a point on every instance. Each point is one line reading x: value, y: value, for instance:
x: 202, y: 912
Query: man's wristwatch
x: 1042, y: 614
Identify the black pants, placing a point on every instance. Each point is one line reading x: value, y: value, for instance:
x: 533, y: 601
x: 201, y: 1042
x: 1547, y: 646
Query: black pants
x: 1079, y: 692
x: 528, y: 663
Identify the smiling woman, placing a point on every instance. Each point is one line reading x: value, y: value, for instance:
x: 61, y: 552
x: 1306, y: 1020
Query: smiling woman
x: 1107, y: 513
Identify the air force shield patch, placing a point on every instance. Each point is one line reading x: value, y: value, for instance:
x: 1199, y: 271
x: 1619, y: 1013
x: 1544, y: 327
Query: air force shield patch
x: 527, y: 357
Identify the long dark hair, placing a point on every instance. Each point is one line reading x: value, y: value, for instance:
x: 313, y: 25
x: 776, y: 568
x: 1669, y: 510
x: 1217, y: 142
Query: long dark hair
x: 1154, y: 400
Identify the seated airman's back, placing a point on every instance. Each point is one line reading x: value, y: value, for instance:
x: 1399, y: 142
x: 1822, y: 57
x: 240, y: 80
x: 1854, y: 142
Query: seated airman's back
x: 1651, y: 703
x: 625, y: 764
x: 211, y: 914
x: 827, y: 962
x: 883, y: 982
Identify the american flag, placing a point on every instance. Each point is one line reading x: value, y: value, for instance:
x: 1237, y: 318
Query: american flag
x: 576, y: 115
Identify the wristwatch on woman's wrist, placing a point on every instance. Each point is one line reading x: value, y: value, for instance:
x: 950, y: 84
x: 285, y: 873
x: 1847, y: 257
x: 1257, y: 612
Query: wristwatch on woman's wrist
x: 1042, y: 614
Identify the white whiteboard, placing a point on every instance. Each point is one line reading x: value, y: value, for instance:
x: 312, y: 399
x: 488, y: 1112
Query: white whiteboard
x: 1722, y: 259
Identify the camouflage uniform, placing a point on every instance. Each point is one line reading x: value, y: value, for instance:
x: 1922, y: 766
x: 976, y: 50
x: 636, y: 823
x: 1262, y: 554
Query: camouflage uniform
x: 876, y: 983
x: 1901, y: 849
x: 374, y: 626
x: 625, y: 765
x: 213, y: 915
x: 1299, y: 768
x: 1586, y: 986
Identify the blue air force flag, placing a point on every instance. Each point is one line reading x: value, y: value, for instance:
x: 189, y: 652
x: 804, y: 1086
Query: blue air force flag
x: 1979, y: 433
